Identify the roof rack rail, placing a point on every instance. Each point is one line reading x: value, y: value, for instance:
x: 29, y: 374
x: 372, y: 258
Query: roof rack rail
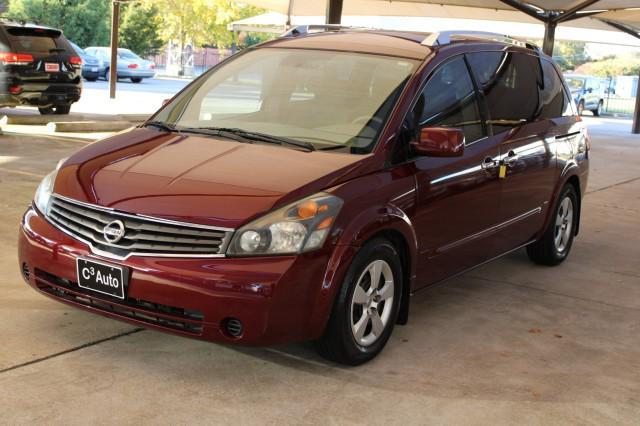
x: 313, y: 28
x: 444, y: 37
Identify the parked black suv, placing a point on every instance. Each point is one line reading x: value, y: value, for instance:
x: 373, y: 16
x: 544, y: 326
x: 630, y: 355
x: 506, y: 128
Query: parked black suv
x: 38, y: 67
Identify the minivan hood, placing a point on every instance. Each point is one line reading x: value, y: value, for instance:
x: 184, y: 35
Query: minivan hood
x: 200, y: 179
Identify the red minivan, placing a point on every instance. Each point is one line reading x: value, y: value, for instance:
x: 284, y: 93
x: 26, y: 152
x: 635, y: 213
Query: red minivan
x: 304, y: 189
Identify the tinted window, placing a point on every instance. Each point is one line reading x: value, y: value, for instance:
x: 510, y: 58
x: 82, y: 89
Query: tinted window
x: 449, y: 100
x: 25, y: 39
x: 555, y: 102
x: 510, y: 83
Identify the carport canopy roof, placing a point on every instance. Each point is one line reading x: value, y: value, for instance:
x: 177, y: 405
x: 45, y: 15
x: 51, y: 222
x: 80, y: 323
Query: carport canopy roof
x: 625, y: 13
x: 592, y: 14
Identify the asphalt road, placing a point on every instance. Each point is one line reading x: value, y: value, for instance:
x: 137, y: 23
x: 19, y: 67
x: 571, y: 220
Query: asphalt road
x: 163, y: 86
x: 131, y: 98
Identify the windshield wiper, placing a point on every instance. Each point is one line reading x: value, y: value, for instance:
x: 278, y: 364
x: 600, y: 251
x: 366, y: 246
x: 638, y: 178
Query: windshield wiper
x: 161, y: 125
x: 258, y: 137
x: 216, y: 132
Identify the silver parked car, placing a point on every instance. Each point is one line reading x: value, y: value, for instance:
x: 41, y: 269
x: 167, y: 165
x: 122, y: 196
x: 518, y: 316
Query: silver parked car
x: 130, y: 65
x: 92, y: 67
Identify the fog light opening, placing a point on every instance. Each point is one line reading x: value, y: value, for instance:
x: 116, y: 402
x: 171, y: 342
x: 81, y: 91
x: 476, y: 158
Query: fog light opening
x: 232, y: 327
x: 25, y: 271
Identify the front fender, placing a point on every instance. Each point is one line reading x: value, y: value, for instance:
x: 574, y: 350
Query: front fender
x: 366, y: 225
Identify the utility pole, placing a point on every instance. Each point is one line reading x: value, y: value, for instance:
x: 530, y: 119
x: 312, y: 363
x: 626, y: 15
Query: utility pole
x: 334, y: 11
x: 113, y: 67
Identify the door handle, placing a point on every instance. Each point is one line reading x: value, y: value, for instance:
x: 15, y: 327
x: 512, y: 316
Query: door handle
x: 489, y: 164
x: 511, y: 159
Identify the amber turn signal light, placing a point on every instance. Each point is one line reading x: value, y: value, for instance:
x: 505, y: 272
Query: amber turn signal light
x: 307, y: 209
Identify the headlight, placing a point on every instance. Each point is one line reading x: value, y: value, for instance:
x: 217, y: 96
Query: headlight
x: 45, y: 189
x: 296, y: 228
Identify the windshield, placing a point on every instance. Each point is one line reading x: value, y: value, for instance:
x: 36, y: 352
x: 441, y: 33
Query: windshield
x: 127, y: 54
x: 331, y: 99
x: 575, y: 83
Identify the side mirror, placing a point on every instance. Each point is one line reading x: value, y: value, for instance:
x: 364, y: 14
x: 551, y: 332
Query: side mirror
x: 440, y: 142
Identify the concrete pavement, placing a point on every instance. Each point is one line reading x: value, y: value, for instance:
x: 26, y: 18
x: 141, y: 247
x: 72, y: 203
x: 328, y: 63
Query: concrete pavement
x: 510, y: 342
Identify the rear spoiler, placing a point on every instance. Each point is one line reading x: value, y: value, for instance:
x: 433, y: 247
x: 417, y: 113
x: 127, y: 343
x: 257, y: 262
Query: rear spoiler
x: 34, y: 32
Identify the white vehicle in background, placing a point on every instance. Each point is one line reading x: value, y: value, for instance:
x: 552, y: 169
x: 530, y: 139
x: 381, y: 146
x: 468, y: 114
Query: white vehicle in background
x: 130, y: 65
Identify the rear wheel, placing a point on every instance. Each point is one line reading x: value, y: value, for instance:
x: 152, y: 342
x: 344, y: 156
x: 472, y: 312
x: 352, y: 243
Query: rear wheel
x: 46, y: 110
x: 107, y: 74
x: 598, y: 110
x: 136, y: 79
x: 555, y: 245
x: 63, y: 109
x: 366, y: 307
x: 91, y: 79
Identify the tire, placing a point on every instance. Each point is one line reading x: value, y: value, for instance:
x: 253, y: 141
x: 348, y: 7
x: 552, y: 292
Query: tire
x: 596, y: 112
x: 136, y: 79
x: 46, y: 110
x: 555, y: 245
x: 581, y: 107
x: 106, y: 74
x: 91, y: 79
x: 63, y: 109
x: 341, y: 342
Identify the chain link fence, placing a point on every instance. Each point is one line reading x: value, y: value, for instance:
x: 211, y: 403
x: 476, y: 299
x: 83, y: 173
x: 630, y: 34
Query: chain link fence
x: 619, y: 95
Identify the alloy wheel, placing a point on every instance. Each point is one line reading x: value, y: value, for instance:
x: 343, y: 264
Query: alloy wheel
x: 372, y: 303
x: 564, y: 225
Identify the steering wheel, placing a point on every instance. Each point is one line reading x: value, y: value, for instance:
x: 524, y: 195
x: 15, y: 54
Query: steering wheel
x: 364, y: 119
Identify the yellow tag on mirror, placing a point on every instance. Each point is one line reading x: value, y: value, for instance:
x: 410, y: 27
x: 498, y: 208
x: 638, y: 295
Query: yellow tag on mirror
x: 502, y: 173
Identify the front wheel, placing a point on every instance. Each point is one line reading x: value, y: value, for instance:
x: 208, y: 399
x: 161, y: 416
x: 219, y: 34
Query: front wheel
x: 366, y: 307
x: 136, y: 79
x: 581, y: 107
x: 555, y: 245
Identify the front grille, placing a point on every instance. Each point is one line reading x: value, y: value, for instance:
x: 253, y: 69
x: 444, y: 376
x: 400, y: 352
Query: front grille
x: 142, y: 235
x: 173, y: 318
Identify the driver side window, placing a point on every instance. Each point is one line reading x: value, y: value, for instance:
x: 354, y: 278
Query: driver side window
x: 450, y: 100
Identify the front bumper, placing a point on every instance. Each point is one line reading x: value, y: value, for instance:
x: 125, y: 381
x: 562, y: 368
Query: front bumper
x: 277, y: 299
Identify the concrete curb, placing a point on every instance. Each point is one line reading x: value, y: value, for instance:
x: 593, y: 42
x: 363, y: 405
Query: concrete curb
x: 42, y: 120
x: 90, y: 126
x: 33, y: 120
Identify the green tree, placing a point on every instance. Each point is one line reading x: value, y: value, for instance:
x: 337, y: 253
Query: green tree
x: 227, y: 11
x: 85, y: 22
x: 611, y: 67
x: 201, y: 22
x: 570, y: 54
x: 140, y: 29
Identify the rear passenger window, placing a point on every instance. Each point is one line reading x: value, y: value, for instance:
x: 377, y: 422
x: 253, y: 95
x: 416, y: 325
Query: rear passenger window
x: 555, y: 101
x: 449, y: 100
x: 510, y: 84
